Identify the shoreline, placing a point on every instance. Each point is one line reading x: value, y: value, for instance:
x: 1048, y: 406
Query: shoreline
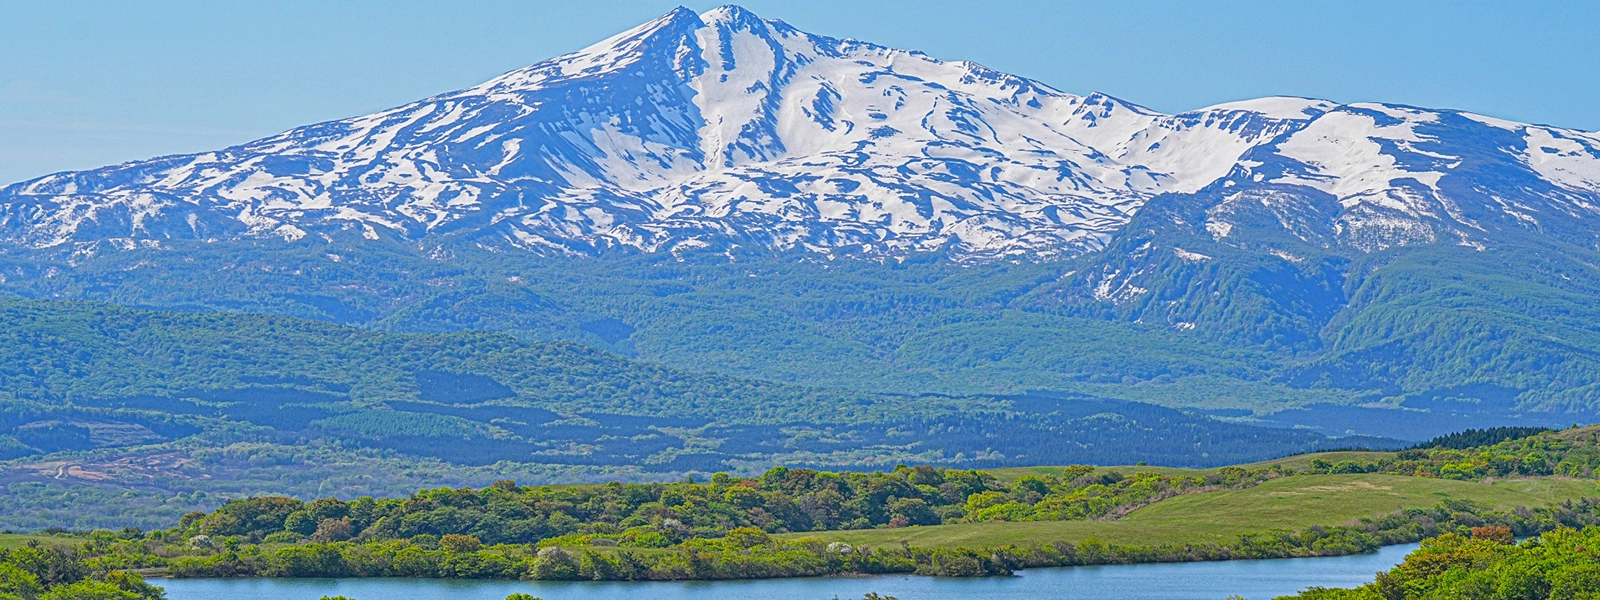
x: 155, y: 575
x: 1251, y: 579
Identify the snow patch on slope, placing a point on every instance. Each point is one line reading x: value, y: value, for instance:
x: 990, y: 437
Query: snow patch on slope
x: 724, y: 129
x: 1568, y: 158
x: 1277, y: 107
x: 1346, y: 158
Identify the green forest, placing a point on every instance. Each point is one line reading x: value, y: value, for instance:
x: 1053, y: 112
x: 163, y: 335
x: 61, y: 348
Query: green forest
x: 775, y: 525
x: 1267, y: 334
x: 164, y: 412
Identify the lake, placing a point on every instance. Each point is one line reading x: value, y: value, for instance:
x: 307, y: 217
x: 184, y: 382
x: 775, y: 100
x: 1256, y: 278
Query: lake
x: 1253, y: 579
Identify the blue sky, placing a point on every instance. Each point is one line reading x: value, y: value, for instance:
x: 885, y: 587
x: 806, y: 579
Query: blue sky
x: 87, y: 83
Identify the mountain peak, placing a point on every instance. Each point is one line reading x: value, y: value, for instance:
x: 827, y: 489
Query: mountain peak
x: 656, y: 40
x: 671, y: 24
x: 723, y: 129
x: 731, y: 14
x: 1278, y: 107
x: 1107, y: 103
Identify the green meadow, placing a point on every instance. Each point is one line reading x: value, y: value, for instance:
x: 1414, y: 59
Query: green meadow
x: 1291, y: 503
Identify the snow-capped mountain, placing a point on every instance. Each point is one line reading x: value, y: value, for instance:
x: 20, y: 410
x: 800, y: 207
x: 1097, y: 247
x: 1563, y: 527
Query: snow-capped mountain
x: 1275, y: 251
x: 724, y: 129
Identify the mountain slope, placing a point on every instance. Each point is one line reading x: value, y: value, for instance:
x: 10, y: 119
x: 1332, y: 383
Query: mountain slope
x: 694, y: 191
x: 1429, y: 238
x: 114, y: 413
x: 688, y: 131
x: 723, y: 130
x: 311, y: 378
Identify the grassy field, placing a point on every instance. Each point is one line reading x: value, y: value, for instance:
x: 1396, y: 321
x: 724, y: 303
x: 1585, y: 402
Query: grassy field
x: 18, y: 540
x: 1286, y: 503
x: 1298, y: 461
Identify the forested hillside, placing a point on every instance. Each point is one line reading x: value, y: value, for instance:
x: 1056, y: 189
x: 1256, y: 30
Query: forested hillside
x: 1460, y: 338
x: 154, y: 411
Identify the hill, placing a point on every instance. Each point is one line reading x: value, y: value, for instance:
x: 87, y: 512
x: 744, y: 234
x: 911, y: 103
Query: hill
x: 1479, y: 348
x: 113, y: 413
x: 1289, y: 504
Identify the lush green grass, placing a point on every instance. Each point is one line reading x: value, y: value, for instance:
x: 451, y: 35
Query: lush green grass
x: 18, y: 540
x: 1288, y: 503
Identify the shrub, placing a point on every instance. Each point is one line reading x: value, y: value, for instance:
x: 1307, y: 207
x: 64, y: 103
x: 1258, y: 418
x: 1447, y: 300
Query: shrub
x: 333, y: 530
x: 459, y: 544
x: 555, y: 564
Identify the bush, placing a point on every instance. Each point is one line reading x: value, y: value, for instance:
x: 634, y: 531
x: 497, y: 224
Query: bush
x: 284, y: 537
x: 555, y: 564
x: 333, y: 530
x: 457, y: 543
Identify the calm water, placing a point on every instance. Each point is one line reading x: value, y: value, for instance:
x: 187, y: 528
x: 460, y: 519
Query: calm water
x: 1252, y: 579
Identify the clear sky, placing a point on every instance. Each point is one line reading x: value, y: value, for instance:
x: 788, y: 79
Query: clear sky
x: 89, y: 83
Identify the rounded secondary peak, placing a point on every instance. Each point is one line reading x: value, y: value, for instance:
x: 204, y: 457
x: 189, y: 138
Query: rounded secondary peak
x: 1108, y: 102
x: 1278, y: 107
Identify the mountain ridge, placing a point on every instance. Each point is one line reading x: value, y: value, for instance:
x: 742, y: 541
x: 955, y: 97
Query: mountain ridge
x: 688, y: 191
x: 722, y: 130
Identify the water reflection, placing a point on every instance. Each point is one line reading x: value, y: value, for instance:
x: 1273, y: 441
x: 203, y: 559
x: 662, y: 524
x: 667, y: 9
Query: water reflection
x: 1253, y: 579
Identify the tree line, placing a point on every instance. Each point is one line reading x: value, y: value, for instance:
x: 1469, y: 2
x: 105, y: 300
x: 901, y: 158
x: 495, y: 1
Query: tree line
x: 660, y: 515
x: 1572, y: 452
x: 747, y: 552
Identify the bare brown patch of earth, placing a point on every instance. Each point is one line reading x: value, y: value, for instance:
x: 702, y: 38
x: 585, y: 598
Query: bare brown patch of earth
x: 128, y: 470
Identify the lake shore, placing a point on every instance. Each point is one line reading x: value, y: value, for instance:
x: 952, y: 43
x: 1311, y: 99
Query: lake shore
x: 1252, y: 579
